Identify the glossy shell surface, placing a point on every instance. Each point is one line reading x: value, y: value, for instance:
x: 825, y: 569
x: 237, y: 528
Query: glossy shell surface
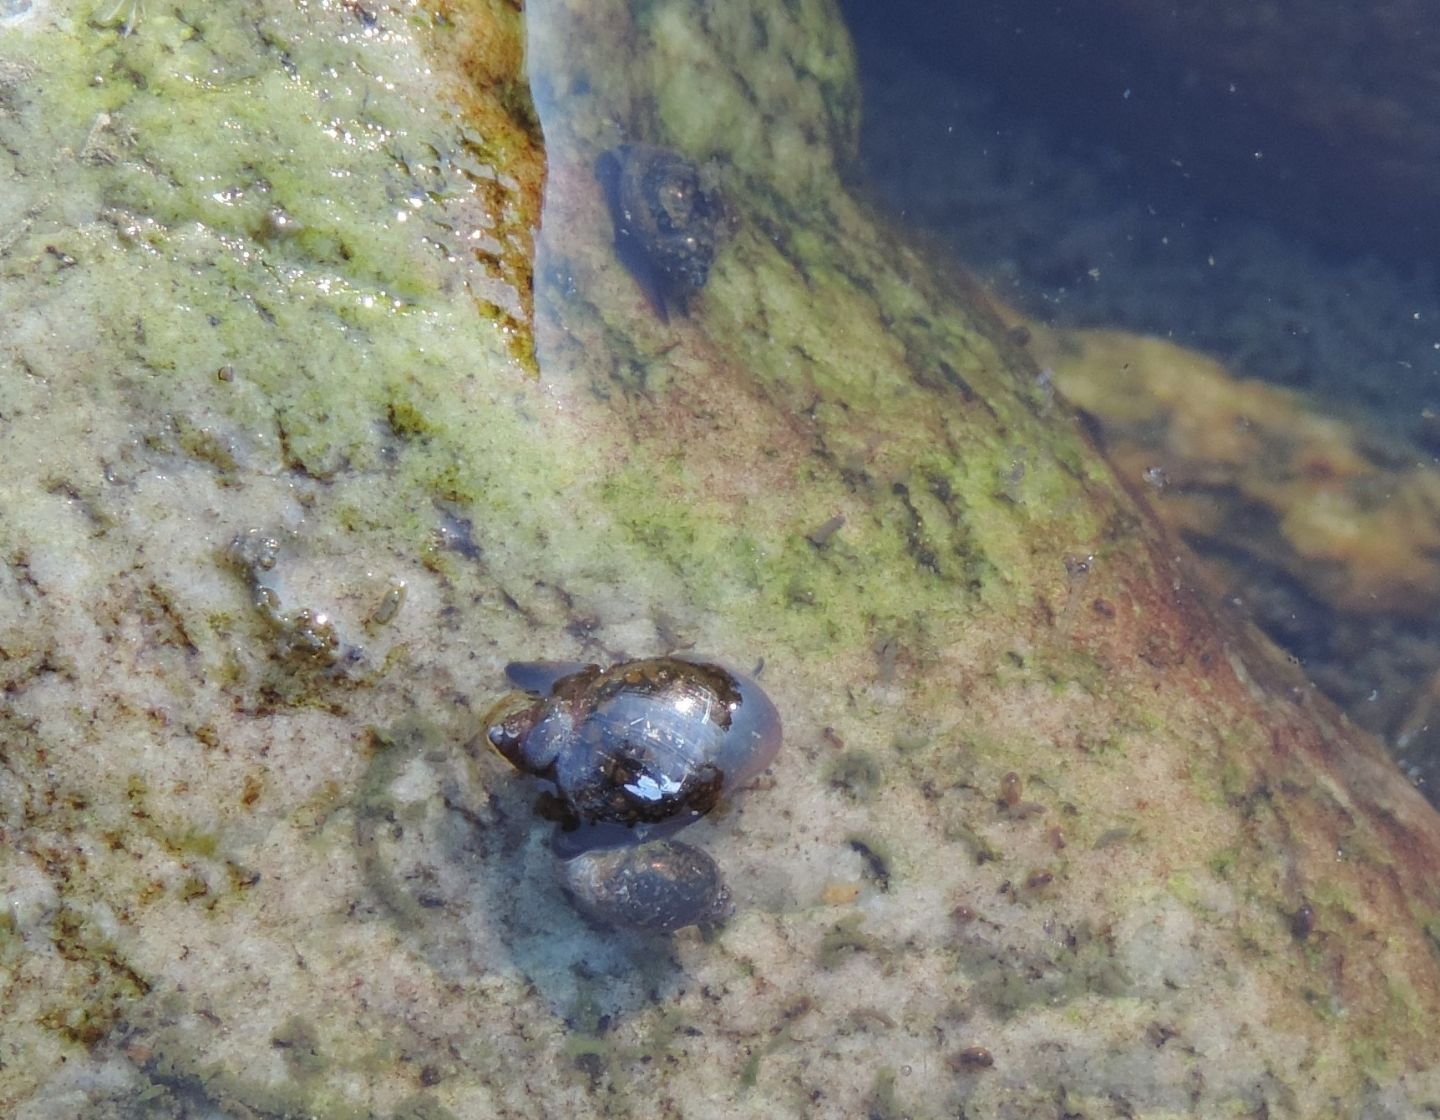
x: 663, y: 885
x: 638, y: 750
x: 669, y: 221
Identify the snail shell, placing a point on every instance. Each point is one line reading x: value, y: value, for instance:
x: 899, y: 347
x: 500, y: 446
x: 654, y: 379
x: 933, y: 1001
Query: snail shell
x: 661, y: 886
x: 669, y: 221
x: 636, y: 751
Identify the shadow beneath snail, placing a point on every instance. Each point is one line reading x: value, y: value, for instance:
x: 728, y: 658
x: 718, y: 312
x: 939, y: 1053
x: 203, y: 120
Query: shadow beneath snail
x: 458, y: 862
x: 580, y: 897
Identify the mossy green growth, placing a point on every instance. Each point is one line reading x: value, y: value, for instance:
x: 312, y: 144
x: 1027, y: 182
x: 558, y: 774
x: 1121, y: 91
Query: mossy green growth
x: 309, y: 304
x: 299, y: 1044
x: 795, y: 65
x: 844, y: 938
x: 422, y: 1108
x: 261, y: 231
x: 857, y: 774
x: 883, y: 1103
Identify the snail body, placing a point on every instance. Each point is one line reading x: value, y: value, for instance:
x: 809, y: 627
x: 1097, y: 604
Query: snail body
x: 632, y: 754
x: 669, y: 221
x: 638, y: 750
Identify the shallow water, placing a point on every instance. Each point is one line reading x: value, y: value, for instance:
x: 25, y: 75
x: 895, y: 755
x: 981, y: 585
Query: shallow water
x: 1082, y: 218
x: 285, y: 497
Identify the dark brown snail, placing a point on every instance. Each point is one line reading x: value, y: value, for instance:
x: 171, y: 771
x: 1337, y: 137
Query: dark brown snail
x: 638, y: 750
x: 632, y: 754
x: 669, y: 221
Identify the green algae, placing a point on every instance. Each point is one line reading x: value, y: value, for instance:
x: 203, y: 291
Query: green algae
x: 422, y: 1108
x: 844, y: 938
x: 883, y: 1104
x: 257, y: 191
x: 299, y: 1044
x: 858, y: 774
x: 225, y: 165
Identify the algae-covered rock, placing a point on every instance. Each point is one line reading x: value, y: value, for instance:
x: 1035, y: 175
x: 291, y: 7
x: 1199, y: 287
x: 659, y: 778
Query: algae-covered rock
x: 1327, y: 537
x: 284, y: 491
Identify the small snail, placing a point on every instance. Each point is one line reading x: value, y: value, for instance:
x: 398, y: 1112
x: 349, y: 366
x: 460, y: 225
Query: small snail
x: 634, y: 753
x: 663, y: 885
x: 669, y: 221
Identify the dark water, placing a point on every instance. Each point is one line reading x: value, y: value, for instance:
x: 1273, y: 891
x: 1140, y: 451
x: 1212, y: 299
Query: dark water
x: 1091, y: 218
x: 1091, y: 183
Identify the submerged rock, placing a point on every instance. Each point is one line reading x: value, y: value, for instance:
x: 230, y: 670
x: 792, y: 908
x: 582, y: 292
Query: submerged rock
x: 266, y: 278
x: 1308, y: 524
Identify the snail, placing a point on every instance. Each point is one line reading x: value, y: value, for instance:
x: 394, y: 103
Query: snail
x: 669, y: 221
x: 638, y: 750
x: 633, y: 754
x: 663, y: 885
